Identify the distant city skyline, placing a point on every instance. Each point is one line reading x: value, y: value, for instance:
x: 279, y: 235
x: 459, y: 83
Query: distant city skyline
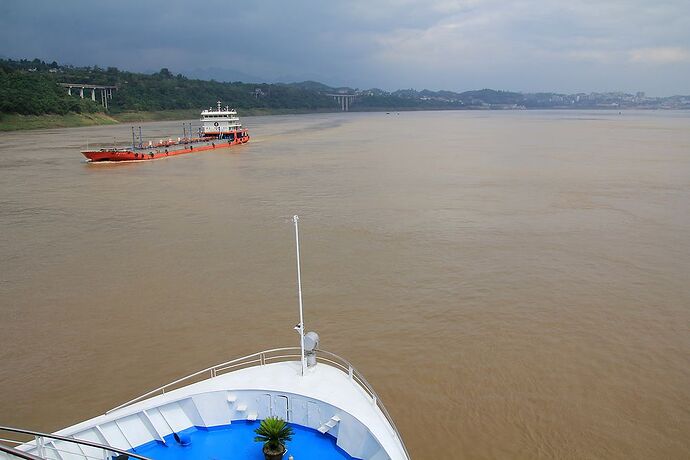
x: 525, y: 46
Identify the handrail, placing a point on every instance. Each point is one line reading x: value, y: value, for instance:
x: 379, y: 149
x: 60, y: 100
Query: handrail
x: 18, y: 453
x: 73, y: 440
x: 260, y: 358
x: 197, y: 373
x: 370, y: 389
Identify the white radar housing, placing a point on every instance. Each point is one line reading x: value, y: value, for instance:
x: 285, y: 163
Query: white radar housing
x: 311, y: 344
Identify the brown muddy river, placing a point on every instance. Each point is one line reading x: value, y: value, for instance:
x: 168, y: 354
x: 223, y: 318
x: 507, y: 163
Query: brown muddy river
x: 513, y: 284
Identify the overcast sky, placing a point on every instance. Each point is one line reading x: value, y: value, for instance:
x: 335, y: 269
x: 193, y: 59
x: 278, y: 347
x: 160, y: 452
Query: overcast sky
x: 520, y: 45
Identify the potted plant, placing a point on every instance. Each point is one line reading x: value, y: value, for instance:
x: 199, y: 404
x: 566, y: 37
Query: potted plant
x: 274, y: 432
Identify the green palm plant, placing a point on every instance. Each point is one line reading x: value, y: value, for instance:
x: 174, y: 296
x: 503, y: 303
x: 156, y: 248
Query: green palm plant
x: 274, y: 432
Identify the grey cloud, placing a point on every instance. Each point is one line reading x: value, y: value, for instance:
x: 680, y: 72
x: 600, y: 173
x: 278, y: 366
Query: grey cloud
x: 579, y: 45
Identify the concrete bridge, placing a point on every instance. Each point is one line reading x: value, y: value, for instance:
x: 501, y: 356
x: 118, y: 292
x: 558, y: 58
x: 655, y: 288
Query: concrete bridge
x: 106, y: 91
x: 344, y: 99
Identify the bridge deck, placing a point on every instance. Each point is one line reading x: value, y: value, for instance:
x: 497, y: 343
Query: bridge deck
x: 86, y: 86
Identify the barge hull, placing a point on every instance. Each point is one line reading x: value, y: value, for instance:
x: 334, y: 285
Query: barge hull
x: 158, y: 152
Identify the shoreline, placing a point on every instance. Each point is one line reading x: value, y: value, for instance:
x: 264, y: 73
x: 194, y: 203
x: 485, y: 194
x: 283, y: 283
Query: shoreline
x: 17, y: 122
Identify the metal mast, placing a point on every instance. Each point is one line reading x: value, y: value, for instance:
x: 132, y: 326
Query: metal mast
x: 300, y: 326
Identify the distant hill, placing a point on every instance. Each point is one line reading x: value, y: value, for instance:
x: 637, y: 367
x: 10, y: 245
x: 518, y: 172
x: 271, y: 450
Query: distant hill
x: 21, y: 83
x: 32, y: 88
x: 490, y: 96
x: 312, y: 86
x: 224, y: 75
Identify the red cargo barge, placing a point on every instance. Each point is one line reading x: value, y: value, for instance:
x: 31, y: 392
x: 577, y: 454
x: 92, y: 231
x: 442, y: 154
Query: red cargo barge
x: 221, y: 128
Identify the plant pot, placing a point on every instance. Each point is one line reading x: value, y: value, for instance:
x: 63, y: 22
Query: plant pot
x: 270, y: 454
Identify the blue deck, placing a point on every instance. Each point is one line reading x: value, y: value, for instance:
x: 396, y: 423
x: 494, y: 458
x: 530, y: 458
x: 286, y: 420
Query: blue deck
x: 236, y: 441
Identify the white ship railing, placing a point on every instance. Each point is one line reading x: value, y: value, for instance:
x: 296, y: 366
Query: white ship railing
x: 271, y: 356
x: 42, y: 446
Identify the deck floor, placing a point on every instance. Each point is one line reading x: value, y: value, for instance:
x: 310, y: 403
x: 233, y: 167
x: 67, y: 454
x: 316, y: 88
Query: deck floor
x: 236, y: 441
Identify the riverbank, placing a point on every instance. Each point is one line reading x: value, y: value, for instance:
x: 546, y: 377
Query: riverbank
x: 15, y: 122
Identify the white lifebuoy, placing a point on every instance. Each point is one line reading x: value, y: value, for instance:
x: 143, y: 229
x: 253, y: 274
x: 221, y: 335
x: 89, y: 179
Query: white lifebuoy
x: 215, y: 123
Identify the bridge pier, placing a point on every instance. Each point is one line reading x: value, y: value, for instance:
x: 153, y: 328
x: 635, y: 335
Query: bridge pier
x: 344, y: 100
x: 106, y: 92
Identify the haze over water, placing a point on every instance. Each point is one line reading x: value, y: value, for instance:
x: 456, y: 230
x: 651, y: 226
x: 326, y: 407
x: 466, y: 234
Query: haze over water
x: 513, y: 284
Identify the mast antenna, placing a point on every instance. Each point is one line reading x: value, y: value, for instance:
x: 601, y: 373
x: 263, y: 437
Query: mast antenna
x: 300, y: 326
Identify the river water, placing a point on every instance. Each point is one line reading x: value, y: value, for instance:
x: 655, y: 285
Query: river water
x: 513, y: 284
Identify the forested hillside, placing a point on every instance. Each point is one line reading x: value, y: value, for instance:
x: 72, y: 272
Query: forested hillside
x: 37, y: 93
x: 31, y: 88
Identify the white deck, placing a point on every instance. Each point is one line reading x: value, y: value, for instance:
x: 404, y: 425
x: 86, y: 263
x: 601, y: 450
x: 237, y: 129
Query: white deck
x: 325, y: 399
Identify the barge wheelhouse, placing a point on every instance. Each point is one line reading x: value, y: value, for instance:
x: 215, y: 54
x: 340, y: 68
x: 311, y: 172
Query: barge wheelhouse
x: 222, y: 123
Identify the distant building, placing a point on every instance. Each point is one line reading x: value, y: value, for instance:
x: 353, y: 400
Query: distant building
x: 640, y: 95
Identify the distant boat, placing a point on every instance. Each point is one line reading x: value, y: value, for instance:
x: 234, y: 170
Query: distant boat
x: 221, y: 128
